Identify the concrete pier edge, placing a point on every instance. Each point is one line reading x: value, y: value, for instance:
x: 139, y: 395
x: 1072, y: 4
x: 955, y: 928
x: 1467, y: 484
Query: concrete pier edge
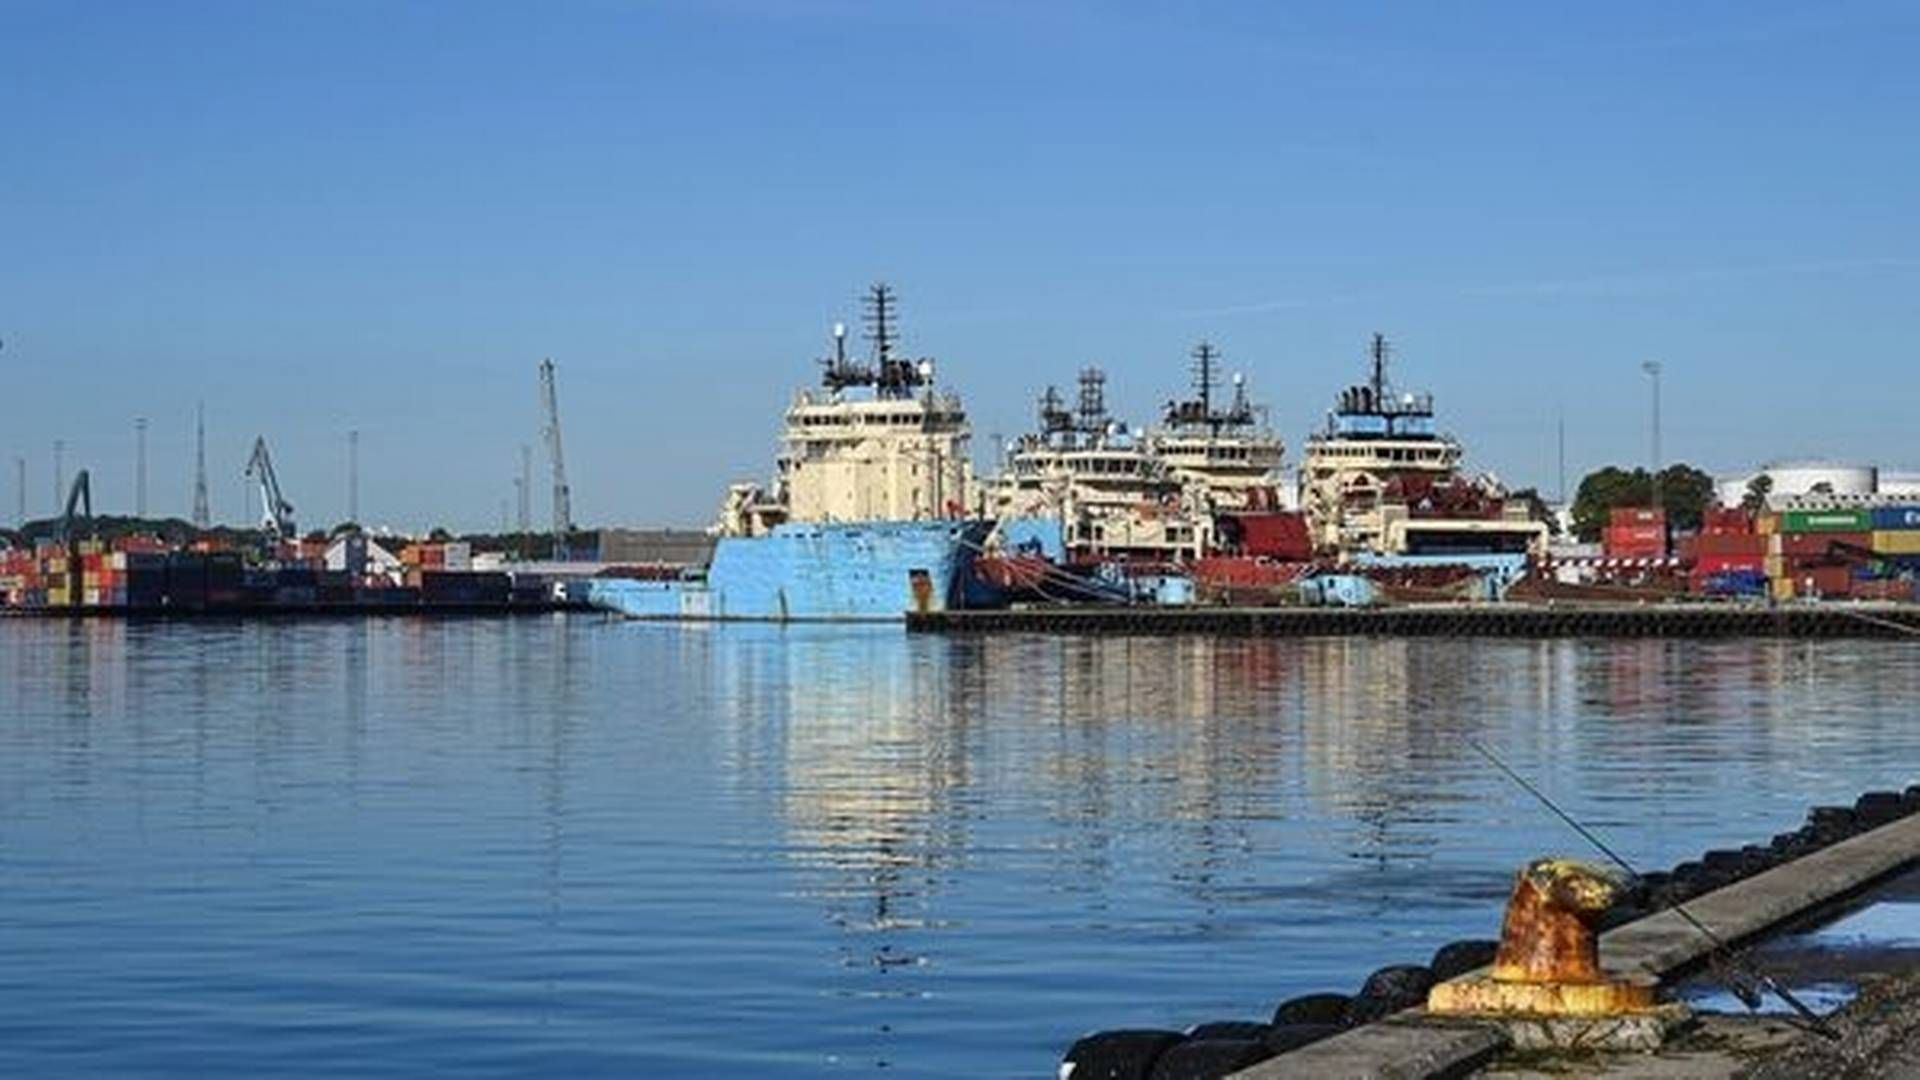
x: 1528, y: 621
x: 1410, y: 1045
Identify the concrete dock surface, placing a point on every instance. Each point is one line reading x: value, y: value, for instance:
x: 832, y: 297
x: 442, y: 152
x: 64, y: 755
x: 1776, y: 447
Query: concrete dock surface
x: 1881, y: 1026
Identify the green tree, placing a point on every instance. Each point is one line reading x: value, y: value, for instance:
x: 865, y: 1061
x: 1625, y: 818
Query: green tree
x: 1685, y: 492
x: 1602, y: 490
x: 1758, y: 489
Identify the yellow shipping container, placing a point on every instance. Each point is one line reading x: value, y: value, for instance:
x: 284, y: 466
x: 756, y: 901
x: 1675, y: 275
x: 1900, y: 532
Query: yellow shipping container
x: 90, y: 597
x: 58, y: 598
x: 1776, y: 566
x: 1782, y: 588
x: 1897, y: 542
x: 1767, y: 524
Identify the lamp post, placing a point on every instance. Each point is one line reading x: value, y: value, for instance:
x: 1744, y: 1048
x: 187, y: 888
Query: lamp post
x: 1652, y: 368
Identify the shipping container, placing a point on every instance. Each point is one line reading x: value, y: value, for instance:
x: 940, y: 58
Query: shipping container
x: 1896, y: 542
x: 1822, y: 581
x: 1800, y: 521
x: 1900, y: 589
x: 456, y: 555
x: 1891, y: 518
x: 1731, y: 583
x: 1634, y: 541
x: 1638, y: 515
x: 1822, y: 544
x: 1717, y: 564
x: 1745, y: 543
x: 1725, y: 521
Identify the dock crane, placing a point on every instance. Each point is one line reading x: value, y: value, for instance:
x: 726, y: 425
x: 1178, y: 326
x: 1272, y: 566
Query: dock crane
x: 81, y: 495
x: 276, y: 513
x: 562, y: 495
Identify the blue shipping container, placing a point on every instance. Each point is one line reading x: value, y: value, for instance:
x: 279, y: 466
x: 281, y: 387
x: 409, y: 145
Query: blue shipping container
x: 1737, y: 583
x: 1897, y: 517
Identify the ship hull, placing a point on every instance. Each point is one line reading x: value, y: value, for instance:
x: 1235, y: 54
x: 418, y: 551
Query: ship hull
x: 871, y: 571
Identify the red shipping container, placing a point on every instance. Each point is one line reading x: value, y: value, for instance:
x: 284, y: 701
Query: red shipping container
x: 1638, y: 515
x: 1820, y: 545
x: 1635, y: 541
x: 1725, y: 521
x: 1896, y: 589
x: 1823, y: 581
x: 1711, y: 544
x: 1725, y: 564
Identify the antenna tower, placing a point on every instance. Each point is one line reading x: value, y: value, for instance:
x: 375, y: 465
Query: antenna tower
x: 524, y: 482
x: 353, y: 476
x: 1380, y: 352
x: 202, y: 516
x: 562, y: 496
x: 882, y: 321
x: 1204, y: 354
x: 1093, y: 400
x: 140, y: 467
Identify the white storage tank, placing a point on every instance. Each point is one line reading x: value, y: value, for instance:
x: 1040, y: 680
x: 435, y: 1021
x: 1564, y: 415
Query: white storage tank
x: 1797, y: 478
x: 1900, y: 485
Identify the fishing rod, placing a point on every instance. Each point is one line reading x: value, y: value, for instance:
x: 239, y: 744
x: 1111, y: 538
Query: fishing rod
x: 1723, y: 953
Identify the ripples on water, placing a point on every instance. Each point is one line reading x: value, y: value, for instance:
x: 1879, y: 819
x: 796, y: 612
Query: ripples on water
x: 571, y: 846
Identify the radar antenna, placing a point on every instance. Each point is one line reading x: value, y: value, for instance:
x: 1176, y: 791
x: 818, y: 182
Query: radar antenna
x: 1054, y: 417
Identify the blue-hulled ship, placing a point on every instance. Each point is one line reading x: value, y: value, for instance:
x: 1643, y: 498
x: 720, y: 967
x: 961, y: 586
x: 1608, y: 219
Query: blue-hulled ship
x: 867, y: 514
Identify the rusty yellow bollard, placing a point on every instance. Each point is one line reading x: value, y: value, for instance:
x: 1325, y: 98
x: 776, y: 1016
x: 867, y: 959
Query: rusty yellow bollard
x: 1548, y: 963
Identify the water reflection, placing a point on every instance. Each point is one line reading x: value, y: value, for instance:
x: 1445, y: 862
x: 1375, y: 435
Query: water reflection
x: 941, y: 854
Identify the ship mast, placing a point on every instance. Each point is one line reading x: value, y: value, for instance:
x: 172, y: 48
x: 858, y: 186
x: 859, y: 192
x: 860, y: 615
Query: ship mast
x: 1204, y: 354
x: 880, y: 321
x: 1380, y: 371
x: 1093, y: 401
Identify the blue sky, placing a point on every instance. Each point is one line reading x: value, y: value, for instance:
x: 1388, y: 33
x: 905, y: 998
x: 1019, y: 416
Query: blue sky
x: 321, y: 217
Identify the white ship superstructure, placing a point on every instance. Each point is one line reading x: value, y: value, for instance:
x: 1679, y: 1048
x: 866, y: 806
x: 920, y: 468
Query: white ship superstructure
x: 865, y: 517
x: 1229, y: 453
x: 1381, y: 479
x: 1112, y: 495
x: 876, y: 442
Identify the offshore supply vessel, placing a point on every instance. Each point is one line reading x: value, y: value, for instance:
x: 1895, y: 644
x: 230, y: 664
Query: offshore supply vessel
x: 866, y: 517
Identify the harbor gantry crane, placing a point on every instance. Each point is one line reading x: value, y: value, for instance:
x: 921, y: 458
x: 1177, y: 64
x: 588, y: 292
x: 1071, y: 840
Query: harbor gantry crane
x: 562, y: 495
x: 276, y: 513
x: 80, y: 496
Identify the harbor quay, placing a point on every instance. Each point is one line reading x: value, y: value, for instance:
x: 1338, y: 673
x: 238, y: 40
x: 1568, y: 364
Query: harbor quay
x: 1443, y: 620
x: 1719, y: 952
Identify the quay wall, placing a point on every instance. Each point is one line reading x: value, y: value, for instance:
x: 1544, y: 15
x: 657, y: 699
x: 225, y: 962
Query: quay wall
x: 1493, y: 620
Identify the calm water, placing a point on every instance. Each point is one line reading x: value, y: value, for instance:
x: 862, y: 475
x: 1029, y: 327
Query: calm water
x: 581, y: 847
